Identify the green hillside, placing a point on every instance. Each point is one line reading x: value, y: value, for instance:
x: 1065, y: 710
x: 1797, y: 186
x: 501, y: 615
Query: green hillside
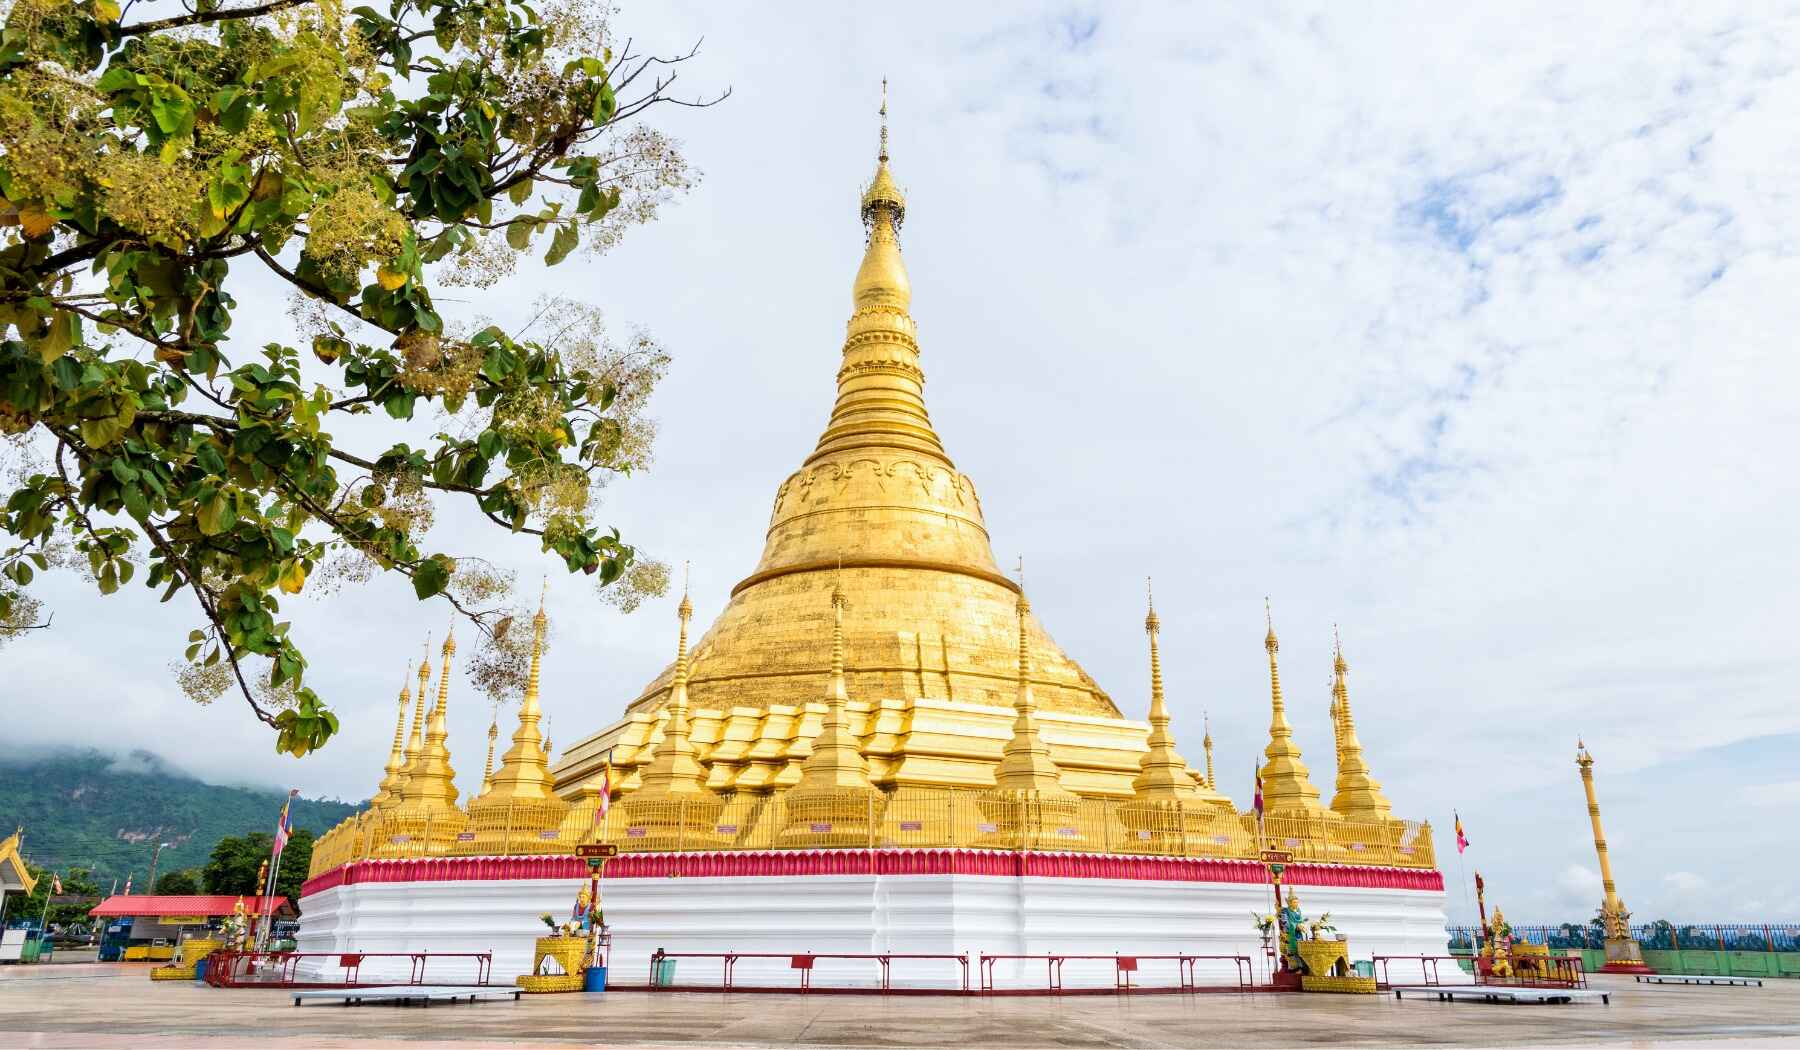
x: 85, y: 808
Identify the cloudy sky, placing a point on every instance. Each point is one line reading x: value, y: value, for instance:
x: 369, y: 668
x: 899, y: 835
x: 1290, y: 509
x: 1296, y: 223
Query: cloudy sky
x: 1470, y: 332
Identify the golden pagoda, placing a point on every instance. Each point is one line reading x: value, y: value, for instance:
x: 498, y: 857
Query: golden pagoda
x: 388, y: 791
x: 929, y: 660
x: 1358, y: 794
x: 428, y: 810
x: 876, y: 681
x: 1287, y: 786
x: 516, y: 801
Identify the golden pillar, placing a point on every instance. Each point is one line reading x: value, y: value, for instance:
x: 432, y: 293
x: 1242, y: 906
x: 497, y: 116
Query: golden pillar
x: 1622, y: 954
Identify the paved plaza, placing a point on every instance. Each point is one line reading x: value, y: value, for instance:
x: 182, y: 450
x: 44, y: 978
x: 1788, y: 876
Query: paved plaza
x: 99, y: 1005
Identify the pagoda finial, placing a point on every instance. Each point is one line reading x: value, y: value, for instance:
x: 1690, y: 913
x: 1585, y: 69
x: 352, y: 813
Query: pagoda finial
x: 487, y: 764
x: 388, y: 792
x: 1287, y: 785
x: 1162, y: 772
x: 1206, y: 742
x: 836, y: 762
x: 1358, y: 794
x: 1025, y: 763
x: 433, y: 781
x: 883, y: 156
x: 415, y: 745
x: 675, y: 768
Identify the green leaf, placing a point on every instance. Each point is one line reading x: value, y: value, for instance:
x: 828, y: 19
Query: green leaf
x: 518, y: 233
x: 431, y: 576
x: 568, y: 235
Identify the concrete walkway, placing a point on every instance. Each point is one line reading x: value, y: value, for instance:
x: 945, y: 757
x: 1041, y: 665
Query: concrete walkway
x: 116, y: 1005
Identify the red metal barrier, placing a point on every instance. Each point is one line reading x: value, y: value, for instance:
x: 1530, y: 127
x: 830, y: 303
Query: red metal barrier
x: 803, y: 962
x: 1123, y: 967
x: 282, y: 969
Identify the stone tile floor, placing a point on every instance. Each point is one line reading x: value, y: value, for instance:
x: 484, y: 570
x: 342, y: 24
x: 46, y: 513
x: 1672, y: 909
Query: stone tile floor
x: 99, y: 1005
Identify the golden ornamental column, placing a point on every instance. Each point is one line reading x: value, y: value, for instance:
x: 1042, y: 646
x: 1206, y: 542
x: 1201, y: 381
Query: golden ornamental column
x: 1288, y: 790
x: 1028, y: 806
x: 834, y: 804
x: 1358, y: 795
x: 518, y: 810
x: 1170, y: 811
x: 388, y: 792
x: 673, y: 809
x: 432, y: 817
x: 1622, y: 952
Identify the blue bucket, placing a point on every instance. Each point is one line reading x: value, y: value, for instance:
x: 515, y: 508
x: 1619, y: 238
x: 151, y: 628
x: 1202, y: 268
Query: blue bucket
x: 594, y: 980
x: 200, y: 972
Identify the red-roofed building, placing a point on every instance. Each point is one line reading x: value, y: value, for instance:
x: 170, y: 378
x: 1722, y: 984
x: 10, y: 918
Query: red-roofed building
x: 149, y: 925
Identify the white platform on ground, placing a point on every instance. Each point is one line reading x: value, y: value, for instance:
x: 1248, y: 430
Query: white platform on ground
x: 864, y: 913
x: 423, y: 994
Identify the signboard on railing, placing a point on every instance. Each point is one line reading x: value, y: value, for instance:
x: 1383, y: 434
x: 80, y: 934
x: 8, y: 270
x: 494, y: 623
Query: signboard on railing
x: 597, y: 849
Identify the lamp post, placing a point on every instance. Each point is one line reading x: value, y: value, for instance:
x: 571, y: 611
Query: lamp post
x: 160, y: 846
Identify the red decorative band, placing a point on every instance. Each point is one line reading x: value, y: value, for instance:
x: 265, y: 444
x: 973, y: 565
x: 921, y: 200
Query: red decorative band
x: 738, y: 864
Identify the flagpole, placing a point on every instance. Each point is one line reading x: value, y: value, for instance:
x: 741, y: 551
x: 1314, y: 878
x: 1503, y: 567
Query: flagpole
x: 1463, y: 866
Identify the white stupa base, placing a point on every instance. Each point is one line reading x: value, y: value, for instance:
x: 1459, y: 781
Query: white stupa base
x: 935, y: 902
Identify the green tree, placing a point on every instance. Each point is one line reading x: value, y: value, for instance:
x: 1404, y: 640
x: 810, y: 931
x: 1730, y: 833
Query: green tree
x: 183, y: 883
x: 237, y: 860
x: 76, y: 883
x: 358, y: 158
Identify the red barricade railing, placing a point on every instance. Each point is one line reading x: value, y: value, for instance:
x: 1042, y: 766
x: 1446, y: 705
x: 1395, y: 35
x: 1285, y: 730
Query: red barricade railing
x: 802, y: 962
x: 1186, y: 969
x: 282, y: 969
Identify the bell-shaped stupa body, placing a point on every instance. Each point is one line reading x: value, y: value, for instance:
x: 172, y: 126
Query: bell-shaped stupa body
x: 880, y: 509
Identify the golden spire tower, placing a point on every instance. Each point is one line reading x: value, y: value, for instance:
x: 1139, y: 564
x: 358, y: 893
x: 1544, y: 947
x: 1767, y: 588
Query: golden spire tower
x: 522, y: 784
x: 433, y: 782
x: 675, y: 769
x: 1287, y: 787
x: 524, y: 773
x: 388, y: 792
x: 415, y: 744
x: 1026, y: 767
x: 1622, y: 952
x: 1206, y: 742
x: 487, y: 764
x: 1358, y: 794
x: 836, y: 763
x: 1162, y: 773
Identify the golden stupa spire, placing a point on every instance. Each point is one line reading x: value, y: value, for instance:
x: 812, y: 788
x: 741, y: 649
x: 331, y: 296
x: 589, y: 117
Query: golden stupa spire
x: 675, y: 769
x: 1162, y: 772
x: 881, y: 389
x: 1358, y: 794
x: 487, y: 764
x: 524, y: 773
x: 1206, y: 742
x: 388, y: 791
x: 415, y: 744
x: 1026, y: 767
x: 1286, y: 783
x: 836, y: 762
x: 433, y: 782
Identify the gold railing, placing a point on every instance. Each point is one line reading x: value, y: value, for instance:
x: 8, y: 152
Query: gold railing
x: 910, y: 818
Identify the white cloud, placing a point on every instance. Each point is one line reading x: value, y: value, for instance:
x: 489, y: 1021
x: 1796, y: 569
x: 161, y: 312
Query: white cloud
x: 1469, y: 330
x: 1685, y: 883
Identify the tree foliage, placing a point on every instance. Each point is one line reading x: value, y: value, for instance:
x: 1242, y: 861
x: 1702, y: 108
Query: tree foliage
x: 182, y: 883
x: 357, y: 157
x: 77, y: 883
x: 237, y: 859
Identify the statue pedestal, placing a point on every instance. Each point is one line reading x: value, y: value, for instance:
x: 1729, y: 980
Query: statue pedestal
x: 569, y: 954
x: 1624, y: 956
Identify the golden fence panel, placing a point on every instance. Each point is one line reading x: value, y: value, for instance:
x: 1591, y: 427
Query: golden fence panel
x: 907, y: 818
